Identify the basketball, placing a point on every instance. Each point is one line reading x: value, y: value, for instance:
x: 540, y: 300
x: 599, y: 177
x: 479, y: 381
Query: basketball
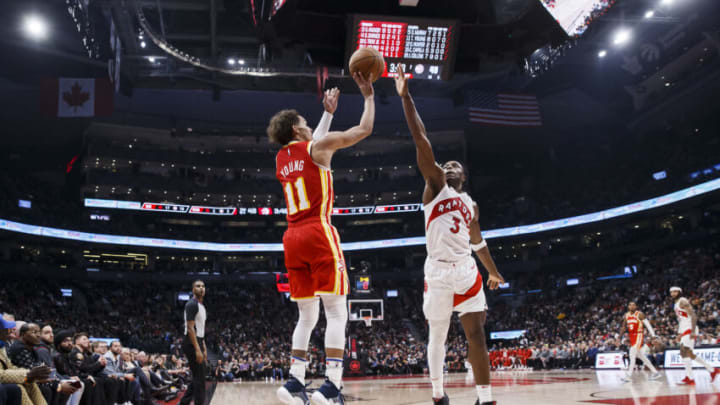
x: 367, y: 61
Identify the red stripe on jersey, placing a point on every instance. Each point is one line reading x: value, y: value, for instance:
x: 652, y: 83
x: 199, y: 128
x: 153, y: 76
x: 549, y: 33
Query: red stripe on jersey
x: 450, y: 205
x: 473, y: 291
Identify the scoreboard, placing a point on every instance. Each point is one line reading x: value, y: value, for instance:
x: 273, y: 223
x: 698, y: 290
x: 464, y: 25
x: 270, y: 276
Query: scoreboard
x: 425, y: 47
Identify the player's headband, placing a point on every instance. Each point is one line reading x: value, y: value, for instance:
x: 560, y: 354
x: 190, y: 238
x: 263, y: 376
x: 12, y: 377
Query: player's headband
x: 678, y: 289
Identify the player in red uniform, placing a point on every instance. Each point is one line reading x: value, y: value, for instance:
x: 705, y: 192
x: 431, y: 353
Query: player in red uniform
x: 313, y: 258
x: 636, y: 323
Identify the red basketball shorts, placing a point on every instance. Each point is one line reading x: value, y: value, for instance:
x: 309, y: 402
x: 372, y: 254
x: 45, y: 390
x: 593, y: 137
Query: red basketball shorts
x: 636, y: 340
x: 314, y: 260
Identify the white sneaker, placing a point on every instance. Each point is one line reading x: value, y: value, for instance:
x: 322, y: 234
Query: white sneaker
x: 655, y: 376
x: 627, y: 378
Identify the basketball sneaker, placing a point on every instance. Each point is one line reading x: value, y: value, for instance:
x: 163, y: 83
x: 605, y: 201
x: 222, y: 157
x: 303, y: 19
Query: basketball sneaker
x: 293, y: 393
x: 477, y: 402
x: 686, y: 381
x: 328, y: 394
x: 442, y: 401
x: 714, y: 374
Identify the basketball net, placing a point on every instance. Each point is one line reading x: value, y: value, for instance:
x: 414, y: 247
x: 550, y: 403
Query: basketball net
x: 367, y: 320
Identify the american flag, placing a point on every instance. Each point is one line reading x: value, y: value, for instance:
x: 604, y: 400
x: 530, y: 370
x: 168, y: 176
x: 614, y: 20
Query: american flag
x: 519, y: 110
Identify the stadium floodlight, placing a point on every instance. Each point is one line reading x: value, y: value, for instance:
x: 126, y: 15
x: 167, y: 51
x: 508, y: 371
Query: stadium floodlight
x: 241, y: 61
x: 142, y: 44
x: 649, y: 14
x: 666, y: 2
x: 602, y: 53
x: 35, y: 27
x: 622, y: 36
x: 151, y: 59
x: 231, y: 61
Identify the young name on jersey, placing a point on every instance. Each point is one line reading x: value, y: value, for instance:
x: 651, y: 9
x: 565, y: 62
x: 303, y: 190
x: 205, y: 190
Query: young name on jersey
x: 292, y: 166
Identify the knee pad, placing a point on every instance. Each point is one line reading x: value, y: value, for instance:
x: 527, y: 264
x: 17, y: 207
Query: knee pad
x: 438, y: 331
x: 309, y: 312
x: 336, y: 315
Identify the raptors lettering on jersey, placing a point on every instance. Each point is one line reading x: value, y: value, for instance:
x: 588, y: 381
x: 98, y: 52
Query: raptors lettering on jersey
x: 447, y: 225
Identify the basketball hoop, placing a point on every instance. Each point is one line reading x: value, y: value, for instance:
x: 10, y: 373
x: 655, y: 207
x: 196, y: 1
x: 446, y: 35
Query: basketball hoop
x: 367, y: 320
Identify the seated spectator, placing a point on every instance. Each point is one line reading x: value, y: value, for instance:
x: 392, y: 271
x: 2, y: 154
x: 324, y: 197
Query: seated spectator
x: 25, y: 379
x: 23, y: 353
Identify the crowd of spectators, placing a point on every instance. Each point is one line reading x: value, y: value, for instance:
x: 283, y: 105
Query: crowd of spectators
x: 249, y: 327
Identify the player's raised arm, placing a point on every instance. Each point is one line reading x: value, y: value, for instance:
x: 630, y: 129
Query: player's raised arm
x: 330, y: 101
x: 324, y: 148
x: 433, y: 174
x: 482, y: 251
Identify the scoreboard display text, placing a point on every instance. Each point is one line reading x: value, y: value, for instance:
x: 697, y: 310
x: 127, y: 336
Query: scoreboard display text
x: 425, y: 47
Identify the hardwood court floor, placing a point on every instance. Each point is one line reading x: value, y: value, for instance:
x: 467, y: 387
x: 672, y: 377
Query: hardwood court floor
x: 509, y: 387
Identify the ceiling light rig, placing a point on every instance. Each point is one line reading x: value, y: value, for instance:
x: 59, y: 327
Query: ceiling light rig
x: 237, y: 69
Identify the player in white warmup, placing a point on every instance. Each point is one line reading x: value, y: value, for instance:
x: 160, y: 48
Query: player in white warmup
x: 452, y: 280
x: 687, y: 332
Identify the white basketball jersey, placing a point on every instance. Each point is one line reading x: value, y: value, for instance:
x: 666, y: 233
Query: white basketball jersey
x: 447, y: 225
x: 684, y: 321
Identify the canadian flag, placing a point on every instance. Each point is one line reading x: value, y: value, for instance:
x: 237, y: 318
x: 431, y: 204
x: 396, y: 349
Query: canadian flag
x: 76, y: 97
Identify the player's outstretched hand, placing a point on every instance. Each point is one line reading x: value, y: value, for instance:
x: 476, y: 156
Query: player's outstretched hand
x: 330, y: 100
x: 401, y: 82
x: 364, y: 84
x: 494, y: 281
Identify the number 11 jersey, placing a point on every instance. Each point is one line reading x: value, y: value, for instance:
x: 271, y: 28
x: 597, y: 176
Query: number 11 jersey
x: 308, y: 188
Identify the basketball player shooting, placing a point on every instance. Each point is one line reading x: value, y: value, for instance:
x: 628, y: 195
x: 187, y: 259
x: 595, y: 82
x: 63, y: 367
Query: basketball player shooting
x: 313, y: 258
x: 452, y: 280
x: 687, y: 332
x: 635, y: 323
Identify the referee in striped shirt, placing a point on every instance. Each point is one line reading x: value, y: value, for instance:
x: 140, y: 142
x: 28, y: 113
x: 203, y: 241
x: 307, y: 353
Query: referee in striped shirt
x: 194, y: 344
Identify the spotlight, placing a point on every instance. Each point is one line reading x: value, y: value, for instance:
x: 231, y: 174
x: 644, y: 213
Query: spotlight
x: 602, y: 53
x: 241, y: 61
x: 649, y: 14
x: 142, y: 44
x: 151, y: 59
x: 622, y: 36
x: 35, y: 27
x: 231, y: 61
x: 666, y: 2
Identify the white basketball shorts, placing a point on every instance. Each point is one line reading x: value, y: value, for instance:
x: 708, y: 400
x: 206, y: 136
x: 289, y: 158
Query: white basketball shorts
x: 449, y: 287
x: 686, y: 341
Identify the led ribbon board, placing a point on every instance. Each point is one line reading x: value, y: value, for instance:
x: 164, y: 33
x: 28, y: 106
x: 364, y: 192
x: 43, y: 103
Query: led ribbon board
x: 364, y: 245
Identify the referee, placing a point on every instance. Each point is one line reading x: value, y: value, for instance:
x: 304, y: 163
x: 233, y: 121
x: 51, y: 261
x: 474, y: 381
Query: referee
x: 194, y: 344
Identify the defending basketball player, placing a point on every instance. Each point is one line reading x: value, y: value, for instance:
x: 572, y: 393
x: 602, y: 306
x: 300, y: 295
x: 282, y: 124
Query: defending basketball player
x: 452, y: 280
x: 635, y: 323
x: 687, y: 332
x: 313, y: 258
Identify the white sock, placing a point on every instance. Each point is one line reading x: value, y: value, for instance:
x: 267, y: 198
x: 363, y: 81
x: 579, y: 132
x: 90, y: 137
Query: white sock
x: 484, y: 393
x: 334, y: 370
x: 704, y: 364
x: 297, y: 368
x: 688, y: 367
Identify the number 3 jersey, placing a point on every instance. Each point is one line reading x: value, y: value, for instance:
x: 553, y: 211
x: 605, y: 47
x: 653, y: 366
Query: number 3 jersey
x: 308, y: 188
x: 447, y: 225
